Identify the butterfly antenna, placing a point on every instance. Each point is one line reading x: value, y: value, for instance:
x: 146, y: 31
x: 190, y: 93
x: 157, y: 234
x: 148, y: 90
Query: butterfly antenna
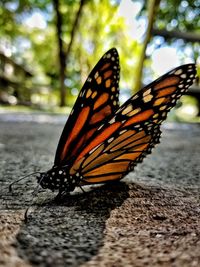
x: 34, y: 194
x: 24, y: 177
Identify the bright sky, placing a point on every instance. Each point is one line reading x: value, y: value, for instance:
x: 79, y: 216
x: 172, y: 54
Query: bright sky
x: 36, y: 20
x: 163, y: 58
x: 129, y: 10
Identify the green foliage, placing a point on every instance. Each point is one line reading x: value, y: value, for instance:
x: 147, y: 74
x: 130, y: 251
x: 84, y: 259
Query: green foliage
x: 97, y: 33
x: 173, y: 15
x: 179, y: 17
x: 99, y: 29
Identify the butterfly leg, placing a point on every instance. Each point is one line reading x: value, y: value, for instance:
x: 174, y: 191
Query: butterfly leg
x: 61, y: 196
x: 82, y: 189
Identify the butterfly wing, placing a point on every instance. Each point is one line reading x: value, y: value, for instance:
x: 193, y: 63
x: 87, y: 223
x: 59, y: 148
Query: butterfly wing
x: 133, y: 130
x: 117, y: 156
x: 97, y: 100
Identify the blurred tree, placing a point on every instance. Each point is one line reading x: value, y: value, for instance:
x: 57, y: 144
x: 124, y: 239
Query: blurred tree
x: 100, y: 28
x: 99, y: 33
x: 64, y: 55
x: 35, y: 45
x: 173, y: 20
x: 152, y: 9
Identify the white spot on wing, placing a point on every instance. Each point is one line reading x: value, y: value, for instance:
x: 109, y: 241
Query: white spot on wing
x: 110, y: 140
x: 183, y: 75
x: 112, y: 120
x: 178, y: 72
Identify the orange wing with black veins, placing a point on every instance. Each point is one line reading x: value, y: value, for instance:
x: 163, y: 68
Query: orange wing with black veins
x: 97, y: 100
x: 131, y: 133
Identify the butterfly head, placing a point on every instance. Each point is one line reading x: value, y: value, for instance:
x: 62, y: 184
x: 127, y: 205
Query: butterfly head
x: 57, y: 178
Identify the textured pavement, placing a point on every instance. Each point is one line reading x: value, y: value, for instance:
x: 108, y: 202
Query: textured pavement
x: 151, y: 218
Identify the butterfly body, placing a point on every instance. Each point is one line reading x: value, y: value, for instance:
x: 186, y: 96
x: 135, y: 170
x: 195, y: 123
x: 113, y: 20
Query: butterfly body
x: 58, y: 178
x: 103, y: 141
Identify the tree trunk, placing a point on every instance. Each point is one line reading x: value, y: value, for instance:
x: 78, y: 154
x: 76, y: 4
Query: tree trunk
x: 64, y: 55
x: 61, y: 53
x: 152, y: 7
x: 74, y: 28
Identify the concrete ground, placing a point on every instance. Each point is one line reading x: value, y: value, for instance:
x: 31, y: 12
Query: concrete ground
x: 152, y: 218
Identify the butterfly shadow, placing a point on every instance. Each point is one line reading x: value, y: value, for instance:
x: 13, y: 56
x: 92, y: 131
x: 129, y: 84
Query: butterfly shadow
x: 70, y: 232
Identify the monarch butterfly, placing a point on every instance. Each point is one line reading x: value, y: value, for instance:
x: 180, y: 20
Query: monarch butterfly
x: 102, y: 141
